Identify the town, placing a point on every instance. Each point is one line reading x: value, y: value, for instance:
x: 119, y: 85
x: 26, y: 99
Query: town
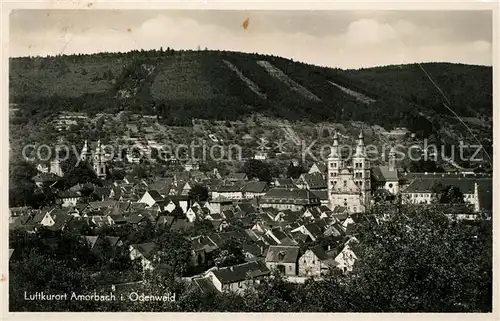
x: 239, y: 229
x: 250, y: 161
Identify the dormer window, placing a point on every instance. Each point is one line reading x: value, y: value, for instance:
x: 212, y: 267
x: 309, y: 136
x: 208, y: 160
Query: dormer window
x: 281, y: 256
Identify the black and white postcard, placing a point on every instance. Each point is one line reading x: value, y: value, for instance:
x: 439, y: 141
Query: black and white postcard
x: 237, y: 160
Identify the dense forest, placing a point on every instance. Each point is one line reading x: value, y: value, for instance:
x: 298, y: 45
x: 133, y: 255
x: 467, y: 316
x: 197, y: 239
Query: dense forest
x: 181, y: 85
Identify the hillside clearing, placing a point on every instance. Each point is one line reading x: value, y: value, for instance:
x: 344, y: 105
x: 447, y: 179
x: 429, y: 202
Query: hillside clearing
x: 251, y: 85
x: 359, y: 96
x: 280, y: 75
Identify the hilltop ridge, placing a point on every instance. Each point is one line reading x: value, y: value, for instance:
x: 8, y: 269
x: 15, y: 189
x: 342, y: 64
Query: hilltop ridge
x: 181, y: 85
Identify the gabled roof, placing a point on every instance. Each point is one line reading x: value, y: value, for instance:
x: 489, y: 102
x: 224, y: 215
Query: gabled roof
x: 146, y: 249
x: 155, y: 195
x: 236, y: 176
x: 69, y: 194
x: 314, y: 180
x: 165, y: 220
x: 320, y: 166
x: 246, y: 207
x: 204, y: 285
x: 241, y: 272
x: 322, y: 195
x: 314, y: 229
x: 255, y: 187
x: 227, y: 189
x: 91, y: 240
x: 383, y: 174
x: 45, y: 177
x: 283, y: 254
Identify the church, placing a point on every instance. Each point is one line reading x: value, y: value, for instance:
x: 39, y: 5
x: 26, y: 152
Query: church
x: 96, y: 158
x: 349, y: 183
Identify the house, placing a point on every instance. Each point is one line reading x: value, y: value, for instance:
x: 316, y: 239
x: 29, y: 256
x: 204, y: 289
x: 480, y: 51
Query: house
x: 236, y: 177
x: 219, y: 204
x: 45, y: 178
x: 346, y: 258
x: 150, y: 198
x: 232, y: 192
x: 201, y: 246
x: 100, y: 221
x: 314, y: 181
x: 315, y: 262
x: 254, y: 189
x: 312, y: 230
x: 279, y: 236
x: 283, y: 258
x: 69, y: 198
x: 318, y: 168
x: 181, y: 201
x: 146, y: 252
x: 196, y: 213
x: 239, y: 277
x: 191, y: 165
x: 284, y: 183
x: 204, y: 285
x: 42, y: 218
x: 293, y: 198
x: 165, y: 221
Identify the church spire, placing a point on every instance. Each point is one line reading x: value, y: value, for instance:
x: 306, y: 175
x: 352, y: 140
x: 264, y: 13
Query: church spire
x: 335, y: 148
x: 392, y: 159
x: 360, y: 148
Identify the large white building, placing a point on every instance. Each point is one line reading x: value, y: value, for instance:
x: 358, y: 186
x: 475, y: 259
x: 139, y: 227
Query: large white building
x: 349, y: 180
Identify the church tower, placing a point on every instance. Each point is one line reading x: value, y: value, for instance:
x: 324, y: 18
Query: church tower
x: 361, y: 171
x: 86, y: 154
x: 55, y: 168
x: 392, y: 160
x: 99, y: 161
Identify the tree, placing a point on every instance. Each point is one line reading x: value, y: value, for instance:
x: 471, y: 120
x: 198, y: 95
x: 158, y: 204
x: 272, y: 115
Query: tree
x: 258, y: 169
x: 21, y: 184
x: 419, y: 260
x: 229, y: 254
x: 178, y: 213
x: 295, y: 171
x: 80, y: 174
x: 452, y: 195
x: 198, y: 193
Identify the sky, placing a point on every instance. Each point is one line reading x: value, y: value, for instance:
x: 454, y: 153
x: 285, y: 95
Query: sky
x: 342, y: 39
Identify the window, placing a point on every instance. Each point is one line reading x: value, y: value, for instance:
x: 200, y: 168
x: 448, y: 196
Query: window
x: 345, y: 183
x: 390, y: 185
x: 240, y: 284
x: 314, y: 262
x: 334, y: 165
x: 289, y: 268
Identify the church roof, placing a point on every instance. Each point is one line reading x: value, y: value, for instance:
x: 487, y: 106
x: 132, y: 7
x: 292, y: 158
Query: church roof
x: 383, y: 174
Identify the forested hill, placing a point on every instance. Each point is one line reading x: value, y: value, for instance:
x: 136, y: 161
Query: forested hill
x: 180, y: 85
